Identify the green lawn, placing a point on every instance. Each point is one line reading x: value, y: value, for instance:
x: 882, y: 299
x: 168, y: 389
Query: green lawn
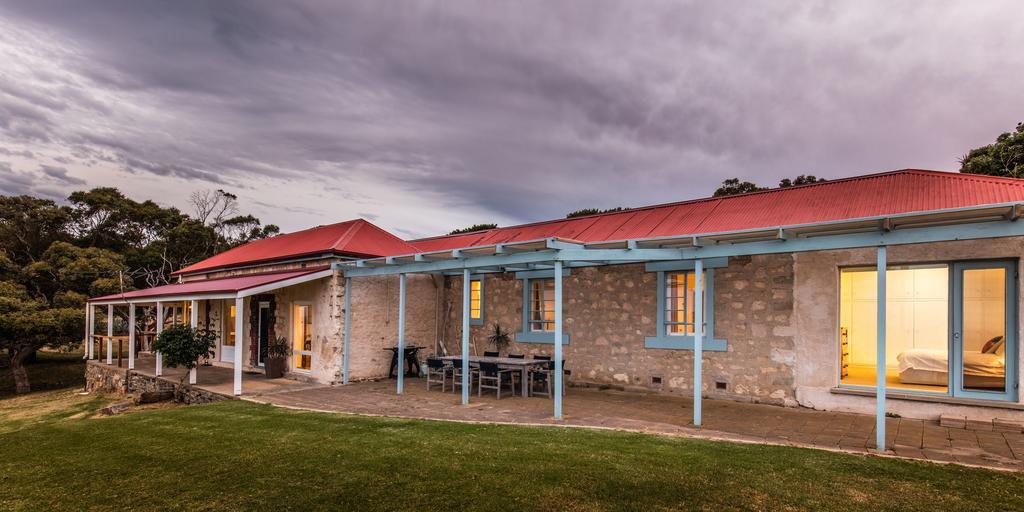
x: 51, y: 370
x: 236, y: 455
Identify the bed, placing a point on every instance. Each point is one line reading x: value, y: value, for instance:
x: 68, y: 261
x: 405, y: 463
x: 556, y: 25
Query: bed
x: 930, y: 367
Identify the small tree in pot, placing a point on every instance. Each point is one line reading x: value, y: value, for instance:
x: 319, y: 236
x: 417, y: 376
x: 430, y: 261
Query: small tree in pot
x: 184, y: 346
x: 277, y: 358
x: 499, y: 338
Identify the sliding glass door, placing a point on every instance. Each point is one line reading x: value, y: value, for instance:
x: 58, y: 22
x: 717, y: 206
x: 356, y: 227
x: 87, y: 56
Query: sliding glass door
x: 950, y: 329
x: 984, y: 320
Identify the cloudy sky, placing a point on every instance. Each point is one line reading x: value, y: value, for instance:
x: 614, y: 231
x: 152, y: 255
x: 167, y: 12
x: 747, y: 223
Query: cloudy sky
x: 424, y: 116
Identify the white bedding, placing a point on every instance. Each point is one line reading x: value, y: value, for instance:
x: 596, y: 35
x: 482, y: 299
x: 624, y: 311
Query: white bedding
x: 975, y: 363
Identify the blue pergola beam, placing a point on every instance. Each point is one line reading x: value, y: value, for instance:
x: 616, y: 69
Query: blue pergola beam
x: 400, y: 356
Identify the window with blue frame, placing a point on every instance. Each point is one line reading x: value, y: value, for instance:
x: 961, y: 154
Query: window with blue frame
x: 476, y: 301
x: 676, y: 317
x: 539, y: 307
x: 541, y: 312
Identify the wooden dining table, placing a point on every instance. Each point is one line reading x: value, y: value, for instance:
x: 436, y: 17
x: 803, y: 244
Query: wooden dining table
x: 522, y: 365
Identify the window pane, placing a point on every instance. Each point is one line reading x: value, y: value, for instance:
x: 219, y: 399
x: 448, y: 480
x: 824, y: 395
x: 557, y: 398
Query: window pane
x: 475, y: 299
x: 984, y: 329
x: 229, y: 328
x: 302, y: 338
x: 917, y: 329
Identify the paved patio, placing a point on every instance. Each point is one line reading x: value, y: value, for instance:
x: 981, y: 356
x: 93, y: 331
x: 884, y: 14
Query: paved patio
x: 653, y: 413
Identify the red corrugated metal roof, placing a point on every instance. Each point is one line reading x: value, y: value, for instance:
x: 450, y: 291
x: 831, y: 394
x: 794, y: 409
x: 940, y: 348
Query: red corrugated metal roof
x: 905, y: 191
x: 225, y: 285
x: 357, y: 238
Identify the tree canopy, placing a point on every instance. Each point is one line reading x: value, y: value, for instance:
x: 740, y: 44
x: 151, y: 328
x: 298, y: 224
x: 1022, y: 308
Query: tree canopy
x: 583, y: 212
x: 53, y: 256
x: 1005, y: 157
x: 733, y: 186
x: 473, y: 228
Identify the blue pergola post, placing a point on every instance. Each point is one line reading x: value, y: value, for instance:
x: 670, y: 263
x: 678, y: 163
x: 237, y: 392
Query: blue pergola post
x: 880, y: 353
x: 348, y: 330
x: 558, y: 340
x: 698, y: 340
x: 401, y: 333
x: 465, y: 335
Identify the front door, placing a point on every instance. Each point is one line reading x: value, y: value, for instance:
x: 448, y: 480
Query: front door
x: 264, y: 331
x: 984, y: 344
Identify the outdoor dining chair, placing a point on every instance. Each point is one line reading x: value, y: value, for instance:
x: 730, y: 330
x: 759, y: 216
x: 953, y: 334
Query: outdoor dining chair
x: 437, y: 368
x: 517, y: 377
x: 457, y: 374
x: 544, y: 377
x: 495, y: 377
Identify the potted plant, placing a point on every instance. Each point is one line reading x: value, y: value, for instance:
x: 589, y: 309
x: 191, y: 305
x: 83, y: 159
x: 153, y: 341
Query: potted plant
x: 276, y: 362
x: 499, y: 337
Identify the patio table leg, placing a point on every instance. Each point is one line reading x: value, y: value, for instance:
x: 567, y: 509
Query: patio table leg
x: 526, y: 386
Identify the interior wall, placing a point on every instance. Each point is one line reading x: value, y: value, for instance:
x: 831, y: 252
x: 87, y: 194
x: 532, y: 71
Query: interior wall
x: 917, y: 311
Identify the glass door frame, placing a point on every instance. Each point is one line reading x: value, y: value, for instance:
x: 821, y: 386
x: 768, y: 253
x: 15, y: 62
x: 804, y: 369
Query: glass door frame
x: 956, y: 338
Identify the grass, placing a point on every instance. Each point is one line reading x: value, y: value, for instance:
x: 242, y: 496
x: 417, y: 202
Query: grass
x: 51, y: 370
x: 236, y: 455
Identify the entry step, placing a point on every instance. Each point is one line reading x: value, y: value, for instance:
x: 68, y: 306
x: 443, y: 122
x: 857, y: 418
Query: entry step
x: 999, y: 424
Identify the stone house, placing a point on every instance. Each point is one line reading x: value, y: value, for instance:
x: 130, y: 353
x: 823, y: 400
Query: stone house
x: 794, y: 311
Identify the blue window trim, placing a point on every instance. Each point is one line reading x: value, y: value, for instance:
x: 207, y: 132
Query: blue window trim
x: 525, y: 335
x: 478, y: 321
x: 664, y: 341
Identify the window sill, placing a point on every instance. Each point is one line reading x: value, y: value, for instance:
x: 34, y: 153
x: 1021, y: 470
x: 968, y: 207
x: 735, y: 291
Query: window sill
x: 540, y: 337
x: 684, y: 343
x: 920, y: 397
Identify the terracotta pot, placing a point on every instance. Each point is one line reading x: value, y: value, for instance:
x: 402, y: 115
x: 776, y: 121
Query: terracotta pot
x: 275, y: 367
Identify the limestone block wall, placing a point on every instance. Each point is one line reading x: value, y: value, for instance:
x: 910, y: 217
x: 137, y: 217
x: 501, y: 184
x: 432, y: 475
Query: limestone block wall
x: 610, y: 310
x: 374, y: 318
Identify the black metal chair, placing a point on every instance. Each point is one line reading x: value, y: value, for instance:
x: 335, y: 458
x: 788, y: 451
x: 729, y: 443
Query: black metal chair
x: 495, y: 375
x: 488, y: 353
x: 437, y: 368
x: 544, y: 376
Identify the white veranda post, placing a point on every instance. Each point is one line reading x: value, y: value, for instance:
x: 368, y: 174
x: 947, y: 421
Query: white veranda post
x: 90, y: 318
x: 159, y: 328
x: 193, y: 321
x: 110, y: 333
x: 239, y: 303
x: 131, y: 336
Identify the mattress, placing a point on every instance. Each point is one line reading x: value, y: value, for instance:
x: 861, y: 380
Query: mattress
x: 930, y: 366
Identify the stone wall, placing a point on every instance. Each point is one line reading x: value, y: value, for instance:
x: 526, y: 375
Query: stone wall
x: 101, y: 378
x: 609, y: 311
x: 374, y: 320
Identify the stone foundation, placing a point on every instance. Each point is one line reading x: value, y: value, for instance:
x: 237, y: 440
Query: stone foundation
x: 120, y: 381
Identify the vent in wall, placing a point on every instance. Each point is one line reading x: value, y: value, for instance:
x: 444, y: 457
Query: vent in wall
x: 721, y: 385
x: 656, y: 380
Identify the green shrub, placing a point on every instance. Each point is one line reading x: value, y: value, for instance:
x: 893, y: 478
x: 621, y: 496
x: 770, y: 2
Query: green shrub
x: 182, y: 345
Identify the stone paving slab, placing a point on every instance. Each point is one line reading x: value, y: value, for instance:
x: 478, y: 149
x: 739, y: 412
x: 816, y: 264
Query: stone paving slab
x: 661, y: 414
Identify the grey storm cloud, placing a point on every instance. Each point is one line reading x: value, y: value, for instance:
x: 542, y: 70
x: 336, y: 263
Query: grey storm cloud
x: 520, y: 110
